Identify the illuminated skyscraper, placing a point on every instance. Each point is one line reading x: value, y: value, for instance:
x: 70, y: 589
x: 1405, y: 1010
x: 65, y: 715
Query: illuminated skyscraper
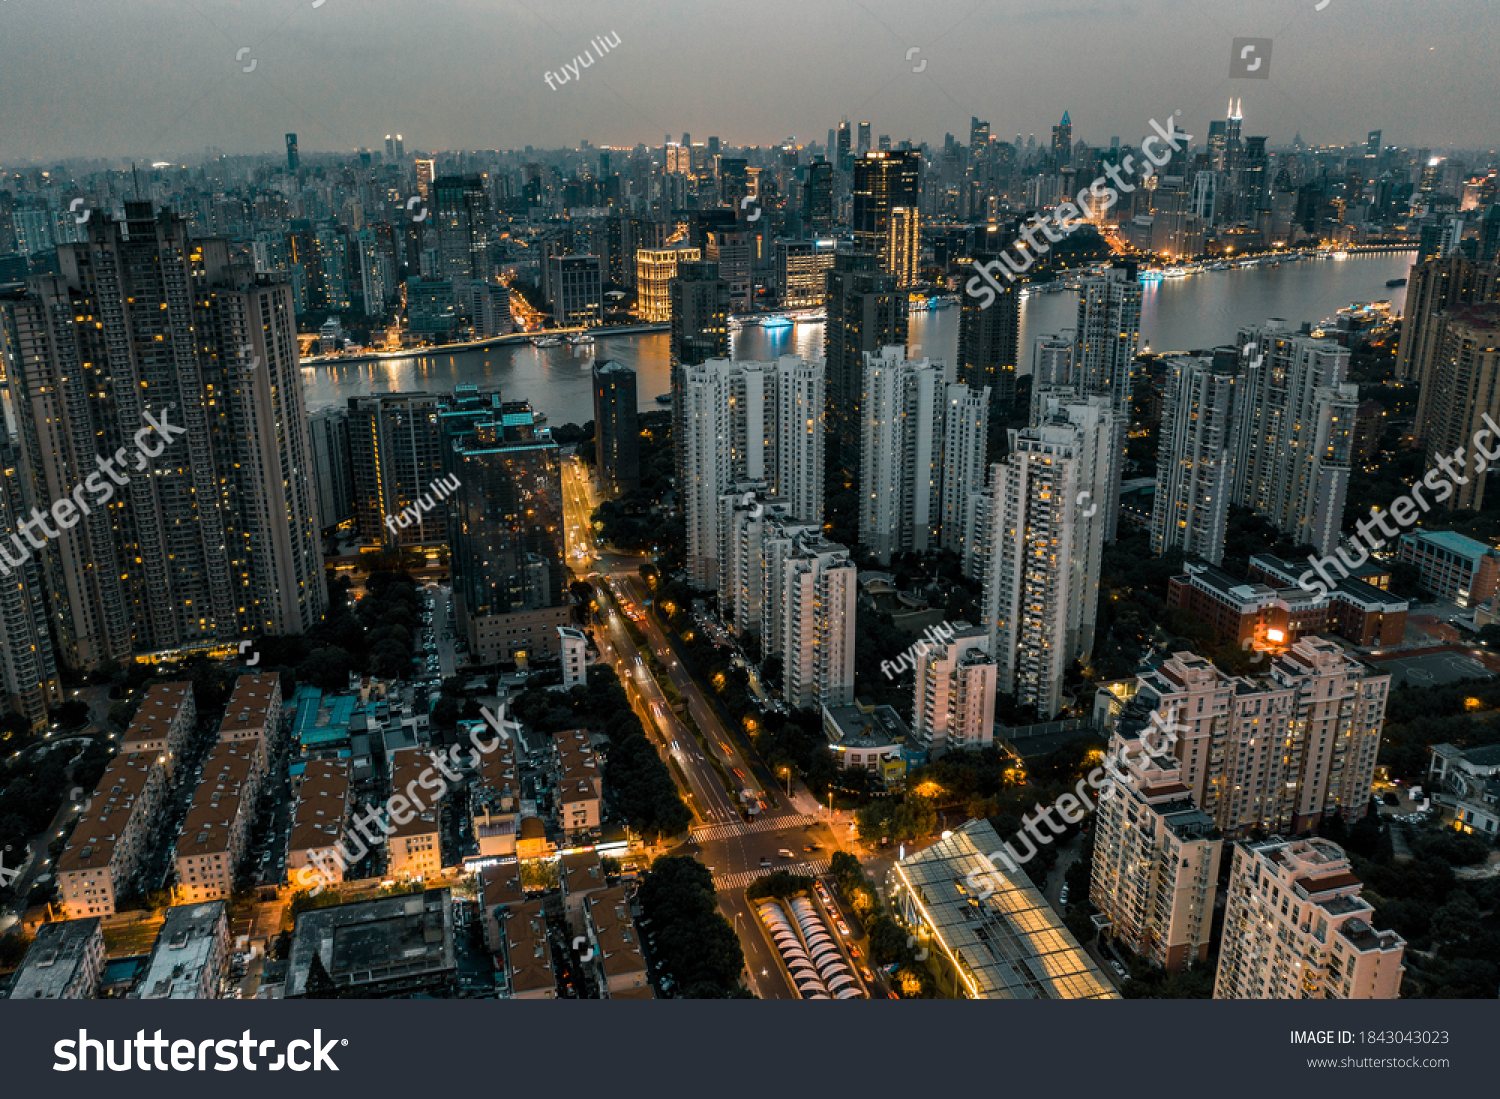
x: 1043, y: 543
x: 899, y: 488
x: 215, y: 538
x: 883, y: 182
x: 655, y: 268
x: 1109, y: 327
x: 989, y: 340
x: 1062, y: 141
x: 1296, y: 432
x: 1195, y: 469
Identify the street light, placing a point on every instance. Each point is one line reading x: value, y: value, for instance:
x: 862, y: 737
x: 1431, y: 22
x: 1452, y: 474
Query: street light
x: 787, y: 774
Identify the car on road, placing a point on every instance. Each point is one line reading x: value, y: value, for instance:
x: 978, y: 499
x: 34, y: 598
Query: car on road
x: 1120, y: 970
x: 812, y: 847
x: 765, y: 861
x: 864, y: 971
x: 786, y: 854
x: 1063, y: 896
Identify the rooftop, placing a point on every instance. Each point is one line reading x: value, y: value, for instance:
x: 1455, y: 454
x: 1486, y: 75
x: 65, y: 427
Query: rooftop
x: 54, y: 959
x: 184, y: 946
x: 94, y: 837
x: 407, y: 938
x: 322, y: 805
x: 1008, y: 946
x: 255, y: 703
x: 158, y: 710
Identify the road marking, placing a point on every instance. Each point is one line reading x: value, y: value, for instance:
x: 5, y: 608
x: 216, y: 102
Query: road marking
x: 741, y: 880
x: 740, y: 828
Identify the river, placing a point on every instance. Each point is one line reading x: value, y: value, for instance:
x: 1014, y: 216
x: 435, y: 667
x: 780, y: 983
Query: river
x: 1201, y: 311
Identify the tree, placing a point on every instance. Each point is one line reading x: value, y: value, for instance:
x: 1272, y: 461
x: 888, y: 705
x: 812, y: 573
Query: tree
x: 697, y: 945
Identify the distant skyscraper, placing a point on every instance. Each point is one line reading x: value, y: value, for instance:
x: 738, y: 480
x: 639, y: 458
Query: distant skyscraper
x: 1044, y: 541
x: 655, y: 268
x: 462, y: 222
x: 1062, y: 141
x: 333, y: 468
x: 509, y: 574
x: 293, y: 161
x: 1372, y: 144
x: 1195, y: 467
x: 966, y: 420
x: 1051, y: 366
x: 989, y: 341
x: 818, y: 213
x: 700, y: 331
x: 1297, y: 433
x: 395, y: 447
x: 865, y: 312
x: 904, y: 246
x: 845, y: 159
x: 748, y: 422
x: 1218, y: 139
x: 390, y: 150
x: 883, y: 182
x: 979, y: 134
x: 899, y: 488
x: 216, y: 538
x: 617, y: 433
x: 426, y: 169
x: 400, y: 148
x: 575, y: 290
x: 863, y: 145
x: 1109, y: 326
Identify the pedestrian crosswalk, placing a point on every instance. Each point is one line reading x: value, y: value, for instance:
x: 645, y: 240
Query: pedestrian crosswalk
x: 725, y: 882
x: 779, y: 823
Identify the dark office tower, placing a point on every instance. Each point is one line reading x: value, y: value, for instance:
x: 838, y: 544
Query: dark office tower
x: 29, y: 681
x: 1109, y: 326
x: 617, y: 433
x: 734, y: 182
x: 883, y: 182
x: 1252, y: 178
x: 396, y: 450
x: 1489, y: 235
x: 989, y: 341
x: 509, y: 578
x: 400, y: 148
x: 863, y: 145
x: 1217, y: 138
x: 1062, y: 141
x: 463, y: 229
x: 1433, y: 288
x: 390, y: 149
x: 866, y: 311
x: 1232, y: 134
x: 212, y: 533
x: 1372, y: 144
x: 332, y: 469
x: 846, y: 156
x: 979, y: 133
x: 293, y: 161
x: 818, y: 194
x: 700, y: 331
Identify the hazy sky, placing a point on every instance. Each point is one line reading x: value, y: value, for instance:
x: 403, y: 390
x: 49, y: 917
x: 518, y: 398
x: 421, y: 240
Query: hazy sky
x: 159, y: 79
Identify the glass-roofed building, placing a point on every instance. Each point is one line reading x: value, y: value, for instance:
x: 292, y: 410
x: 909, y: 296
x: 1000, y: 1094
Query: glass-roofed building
x: 988, y: 932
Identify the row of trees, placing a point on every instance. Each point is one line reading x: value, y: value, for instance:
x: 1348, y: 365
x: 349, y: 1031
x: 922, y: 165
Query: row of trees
x: 637, y: 783
x: 693, y: 941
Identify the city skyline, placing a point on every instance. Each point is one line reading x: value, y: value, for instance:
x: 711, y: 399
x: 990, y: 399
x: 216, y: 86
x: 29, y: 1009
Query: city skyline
x: 240, y: 80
